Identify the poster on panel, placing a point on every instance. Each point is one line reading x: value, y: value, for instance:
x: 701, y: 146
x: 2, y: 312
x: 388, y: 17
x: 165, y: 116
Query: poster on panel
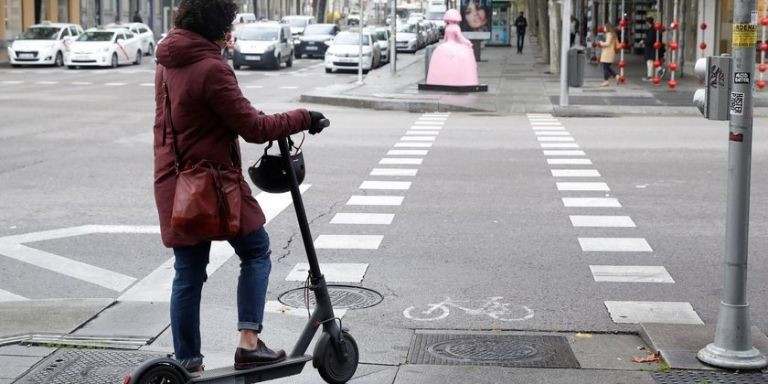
x: 476, y: 19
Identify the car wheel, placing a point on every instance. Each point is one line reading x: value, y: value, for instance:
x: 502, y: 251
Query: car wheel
x: 138, y: 58
x: 297, y: 55
x: 328, y: 70
x: 236, y: 65
x: 277, y: 62
x: 59, y: 61
x: 151, y: 50
x: 16, y: 65
x: 71, y: 67
x: 113, y: 63
x: 289, y: 63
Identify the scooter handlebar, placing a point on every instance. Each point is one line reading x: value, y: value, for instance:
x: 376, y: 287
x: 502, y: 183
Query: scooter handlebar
x: 325, y: 123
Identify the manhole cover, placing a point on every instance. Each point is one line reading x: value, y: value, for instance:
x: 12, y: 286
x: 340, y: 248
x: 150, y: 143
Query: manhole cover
x: 530, y: 351
x: 342, y: 297
x: 709, y: 377
x: 77, y: 366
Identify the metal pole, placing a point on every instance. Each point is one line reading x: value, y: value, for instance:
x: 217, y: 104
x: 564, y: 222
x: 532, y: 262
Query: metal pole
x: 360, y: 52
x: 564, y: 46
x: 393, y: 40
x: 732, y: 347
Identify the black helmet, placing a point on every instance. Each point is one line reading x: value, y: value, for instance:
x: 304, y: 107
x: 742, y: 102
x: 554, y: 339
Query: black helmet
x: 269, y: 173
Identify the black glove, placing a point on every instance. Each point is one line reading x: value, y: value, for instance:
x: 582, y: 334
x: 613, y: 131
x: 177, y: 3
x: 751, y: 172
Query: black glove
x: 318, y: 122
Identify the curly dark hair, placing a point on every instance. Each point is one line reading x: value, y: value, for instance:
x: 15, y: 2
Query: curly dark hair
x: 211, y: 19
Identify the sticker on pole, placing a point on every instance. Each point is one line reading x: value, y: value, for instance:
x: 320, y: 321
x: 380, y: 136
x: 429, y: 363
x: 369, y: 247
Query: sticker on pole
x: 737, y: 103
x: 744, y: 35
x: 741, y: 78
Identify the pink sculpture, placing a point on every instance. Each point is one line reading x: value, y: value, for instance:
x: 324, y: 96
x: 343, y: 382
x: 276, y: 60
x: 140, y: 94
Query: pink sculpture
x: 453, y: 61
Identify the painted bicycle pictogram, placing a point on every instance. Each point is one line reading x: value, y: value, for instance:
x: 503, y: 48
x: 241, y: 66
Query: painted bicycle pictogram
x: 493, y: 307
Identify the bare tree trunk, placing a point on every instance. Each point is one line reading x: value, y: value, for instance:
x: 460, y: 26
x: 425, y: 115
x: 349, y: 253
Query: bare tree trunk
x: 554, y: 41
x: 542, y: 16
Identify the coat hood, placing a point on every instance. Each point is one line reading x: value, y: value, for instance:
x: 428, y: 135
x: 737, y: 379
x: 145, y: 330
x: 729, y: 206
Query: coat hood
x: 183, y: 47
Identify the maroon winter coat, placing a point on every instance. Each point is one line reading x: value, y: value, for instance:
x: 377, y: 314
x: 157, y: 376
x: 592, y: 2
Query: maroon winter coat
x: 209, y: 112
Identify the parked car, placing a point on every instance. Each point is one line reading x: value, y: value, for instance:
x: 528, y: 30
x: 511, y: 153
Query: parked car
x: 43, y: 44
x: 105, y: 48
x: 381, y: 35
x: 146, y: 36
x: 298, y: 24
x: 435, y: 15
x: 244, y: 18
x: 408, y: 38
x: 263, y: 44
x: 316, y: 39
x: 344, y: 53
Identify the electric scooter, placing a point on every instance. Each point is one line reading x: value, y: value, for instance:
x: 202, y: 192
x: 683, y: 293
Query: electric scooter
x: 335, y: 356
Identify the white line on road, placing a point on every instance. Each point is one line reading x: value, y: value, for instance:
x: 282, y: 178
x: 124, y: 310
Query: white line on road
x: 559, y: 145
x: 375, y: 200
x: 417, y: 138
x: 46, y: 82
x: 591, y: 202
x: 115, y: 84
x: 537, y: 129
x: 12, y: 82
x: 614, y: 244
x: 428, y: 122
x: 78, y: 231
x: 546, y: 138
x: 81, y: 83
x: 635, y: 312
x: 394, y: 172
x: 552, y: 133
x: 333, y: 272
x: 575, y: 173
x: 413, y: 145
x: 602, y: 221
x: 425, y: 127
x: 289, y: 87
x: 363, y: 218
x: 407, y: 152
x: 6, y: 296
x: 587, y: 186
x: 147, y: 84
x: 254, y: 86
x: 569, y: 161
x: 564, y: 153
x: 400, y: 161
x: 348, y: 241
x: 631, y: 274
x: 386, y: 185
x: 419, y: 132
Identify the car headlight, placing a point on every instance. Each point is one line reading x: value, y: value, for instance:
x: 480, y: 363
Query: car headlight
x: 367, y: 54
x: 105, y: 49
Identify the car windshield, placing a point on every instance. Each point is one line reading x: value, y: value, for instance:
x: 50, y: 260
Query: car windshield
x: 435, y: 15
x: 410, y: 28
x: 40, y: 33
x: 96, y: 36
x: 381, y: 35
x: 318, y: 29
x: 296, y: 22
x: 351, y: 39
x: 259, y: 34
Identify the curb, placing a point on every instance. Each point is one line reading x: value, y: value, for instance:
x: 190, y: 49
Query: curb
x: 416, y: 106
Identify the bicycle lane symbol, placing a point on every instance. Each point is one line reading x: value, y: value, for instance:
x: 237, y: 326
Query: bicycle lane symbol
x: 493, y: 307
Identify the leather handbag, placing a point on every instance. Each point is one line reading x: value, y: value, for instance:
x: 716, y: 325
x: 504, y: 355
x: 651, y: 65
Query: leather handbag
x: 208, y: 198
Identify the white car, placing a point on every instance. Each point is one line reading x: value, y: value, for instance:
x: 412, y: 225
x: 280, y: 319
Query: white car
x: 105, y: 48
x: 145, y: 34
x: 263, y: 44
x: 298, y: 24
x: 43, y: 44
x: 344, y: 53
x: 407, y: 37
x: 381, y: 35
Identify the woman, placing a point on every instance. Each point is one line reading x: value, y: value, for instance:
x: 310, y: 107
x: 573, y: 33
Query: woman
x: 208, y: 113
x: 476, y: 16
x: 608, y: 54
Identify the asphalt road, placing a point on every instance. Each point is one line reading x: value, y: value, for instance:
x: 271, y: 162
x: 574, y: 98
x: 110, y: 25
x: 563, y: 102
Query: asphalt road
x: 482, y: 221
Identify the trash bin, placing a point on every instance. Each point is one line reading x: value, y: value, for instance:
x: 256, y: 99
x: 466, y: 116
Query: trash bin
x: 577, y: 61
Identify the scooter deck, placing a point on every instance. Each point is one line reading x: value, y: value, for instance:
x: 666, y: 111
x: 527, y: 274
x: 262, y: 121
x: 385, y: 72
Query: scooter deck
x: 229, y: 375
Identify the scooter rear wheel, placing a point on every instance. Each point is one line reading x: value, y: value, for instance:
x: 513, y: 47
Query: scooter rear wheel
x: 162, y: 374
x: 328, y: 362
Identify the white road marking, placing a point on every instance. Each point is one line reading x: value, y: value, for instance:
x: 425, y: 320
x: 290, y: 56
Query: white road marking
x: 543, y: 119
x: 46, y: 82
x: 432, y: 133
x: 348, y: 241
x: 276, y: 307
x: 156, y: 287
x: 564, y: 153
x: 289, y: 87
x: 591, y: 202
x: 147, y: 84
x: 68, y: 267
x: 630, y: 274
x: 428, y: 122
x: 81, y: 83
x: 375, y: 200
x: 602, y: 221
x: 575, y: 173
x: 254, y: 86
x: 386, y: 185
x: 6, y: 296
x: 12, y: 82
x: 556, y: 139
x: 635, y: 312
x: 363, y: 218
x: 413, y: 145
x: 417, y: 138
x: 115, y: 84
x: 552, y: 133
x: 553, y: 128
x: 545, y: 124
x: 534, y: 115
x: 431, y: 118
x: 333, y: 272
x: 400, y: 161
x: 78, y: 231
x: 569, y: 161
x: 407, y: 152
x: 559, y: 145
x: 394, y: 172
x: 593, y: 186
x: 614, y: 244
x: 425, y: 127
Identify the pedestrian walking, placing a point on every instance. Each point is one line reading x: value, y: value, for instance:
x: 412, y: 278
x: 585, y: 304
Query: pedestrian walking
x: 608, y: 55
x: 521, y: 24
x: 200, y: 112
x: 137, y: 18
x: 649, y: 51
x: 574, y: 29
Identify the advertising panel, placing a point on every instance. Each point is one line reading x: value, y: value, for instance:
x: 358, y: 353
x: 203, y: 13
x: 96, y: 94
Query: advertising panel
x: 476, y: 19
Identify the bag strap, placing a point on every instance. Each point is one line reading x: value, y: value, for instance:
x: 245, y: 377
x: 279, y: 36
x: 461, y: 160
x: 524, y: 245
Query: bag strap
x: 169, y: 124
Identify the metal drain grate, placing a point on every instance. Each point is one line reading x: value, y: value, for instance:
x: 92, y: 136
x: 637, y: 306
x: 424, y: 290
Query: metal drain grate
x: 528, y: 351
x: 342, y: 297
x: 709, y: 377
x: 78, y: 366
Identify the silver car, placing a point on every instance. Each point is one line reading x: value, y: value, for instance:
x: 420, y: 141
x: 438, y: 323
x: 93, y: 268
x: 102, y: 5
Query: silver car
x: 146, y: 36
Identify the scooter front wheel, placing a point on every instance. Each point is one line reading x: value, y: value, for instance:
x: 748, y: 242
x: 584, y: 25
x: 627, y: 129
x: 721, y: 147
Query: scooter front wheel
x: 161, y: 374
x: 333, y: 368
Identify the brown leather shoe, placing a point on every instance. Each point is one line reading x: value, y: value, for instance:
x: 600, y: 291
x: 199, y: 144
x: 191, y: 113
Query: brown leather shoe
x: 249, y: 358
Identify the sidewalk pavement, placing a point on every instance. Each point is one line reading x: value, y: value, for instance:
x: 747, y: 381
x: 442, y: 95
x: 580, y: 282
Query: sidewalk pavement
x: 519, y: 84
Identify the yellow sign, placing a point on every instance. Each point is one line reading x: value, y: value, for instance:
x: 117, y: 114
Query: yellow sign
x: 744, y: 35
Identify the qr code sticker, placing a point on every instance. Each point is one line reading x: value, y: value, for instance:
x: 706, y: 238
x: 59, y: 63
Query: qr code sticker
x: 737, y: 103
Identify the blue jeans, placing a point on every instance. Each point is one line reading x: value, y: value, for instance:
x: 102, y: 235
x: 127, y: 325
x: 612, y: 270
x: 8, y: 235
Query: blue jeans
x: 190, y: 264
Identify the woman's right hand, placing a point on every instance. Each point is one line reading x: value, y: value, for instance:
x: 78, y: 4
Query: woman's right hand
x: 318, y: 122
